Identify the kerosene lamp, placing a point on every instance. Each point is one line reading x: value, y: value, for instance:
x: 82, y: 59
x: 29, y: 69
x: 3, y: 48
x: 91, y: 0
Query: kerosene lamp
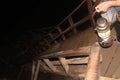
x: 104, y: 33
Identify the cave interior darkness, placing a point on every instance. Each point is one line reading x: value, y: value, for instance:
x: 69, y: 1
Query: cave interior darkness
x: 22, y: 22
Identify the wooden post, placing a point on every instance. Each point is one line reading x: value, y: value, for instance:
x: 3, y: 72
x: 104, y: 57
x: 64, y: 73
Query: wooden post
x: 89, y: 4
x: 93, y: 68
x: 37, y: 70
x: 33, y: 70
x: 63, y: 36
x: 50, y: 65
x: 71, y: 23
x: 64, y: 64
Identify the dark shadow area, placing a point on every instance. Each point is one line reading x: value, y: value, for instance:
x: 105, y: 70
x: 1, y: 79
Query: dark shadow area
x: 56, y: 76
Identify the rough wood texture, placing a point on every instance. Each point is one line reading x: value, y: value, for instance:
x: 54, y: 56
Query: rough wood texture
x: 107, y: 57
x: 33, y: 70
x: 74, y: 61
x: 93, y: 67
x: 64, y: 64
x: 108, y: 78
x: 50, y: 65
x: 80, y: 60
x: 110, y: 56
x: 117, y: 73
x: 115, y: 62
x: 83, y: 51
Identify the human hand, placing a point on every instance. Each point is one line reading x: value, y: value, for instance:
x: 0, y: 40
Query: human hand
x: 102, y: 7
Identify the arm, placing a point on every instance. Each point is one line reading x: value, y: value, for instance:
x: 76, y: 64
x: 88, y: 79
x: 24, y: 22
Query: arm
x: 104, y: 6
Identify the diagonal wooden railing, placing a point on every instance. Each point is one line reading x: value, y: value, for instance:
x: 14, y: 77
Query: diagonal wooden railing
x: 82, y: 14
x: 66, y: 25
x: 71, y: 22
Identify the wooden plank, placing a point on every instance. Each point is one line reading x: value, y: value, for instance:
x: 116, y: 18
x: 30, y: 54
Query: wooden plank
x: 107, y: 54
x: 50, y: 65
x: 64, y: 64
x: 70, y: 20
x: 74, y: 61
x: 117, y: 73
x: 115, y: 62
x: 107, y: 78
x: 37, y: 70
x: 93, y: 67
x: 89, y: 4
x: 83, y: 51
x: 33, y: 70
x: 44, y: 67
x: 80, y: 60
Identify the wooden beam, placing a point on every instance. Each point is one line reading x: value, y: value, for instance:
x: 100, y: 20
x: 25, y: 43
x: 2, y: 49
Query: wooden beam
x: 37, y: 70
x: 107, y: 59
x: 89, y: 4
x: 70, y: 20
x: 114, y: 63
x: 44, y: 67
x: 74, y: 61
x: 64, y: 64
x: 93, y: 68
x: 33, y: 70
x: 50, y: 65
x: 83, y: 51
x: 117, y: 73
x: 80, y: 60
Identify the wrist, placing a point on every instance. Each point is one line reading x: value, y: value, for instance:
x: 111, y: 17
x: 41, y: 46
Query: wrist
x: 112, y: 3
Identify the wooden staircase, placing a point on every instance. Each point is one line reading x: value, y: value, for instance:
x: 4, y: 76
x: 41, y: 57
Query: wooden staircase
x: 66, y: 45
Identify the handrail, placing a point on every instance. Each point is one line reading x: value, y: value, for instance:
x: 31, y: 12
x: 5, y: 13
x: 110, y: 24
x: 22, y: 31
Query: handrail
x: 72, y: 25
